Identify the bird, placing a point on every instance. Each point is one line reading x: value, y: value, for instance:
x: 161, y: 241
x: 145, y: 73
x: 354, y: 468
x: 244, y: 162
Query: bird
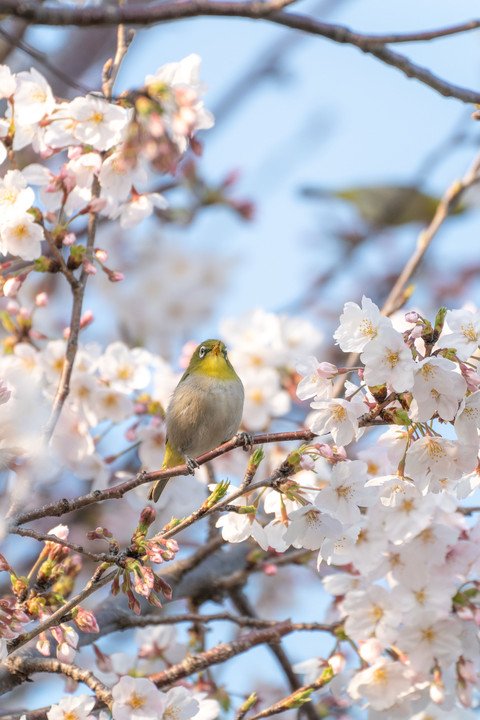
x: 205, y: 410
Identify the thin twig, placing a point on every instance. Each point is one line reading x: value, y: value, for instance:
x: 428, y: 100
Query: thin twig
x: 397, y: 295
x: 49, y: 537
x: 289, y: 702
x: 140, y: 621
x: 78, y: 292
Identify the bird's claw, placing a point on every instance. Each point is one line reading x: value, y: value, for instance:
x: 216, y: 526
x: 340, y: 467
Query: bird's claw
x: 192, y: 464
x: 246, y: 439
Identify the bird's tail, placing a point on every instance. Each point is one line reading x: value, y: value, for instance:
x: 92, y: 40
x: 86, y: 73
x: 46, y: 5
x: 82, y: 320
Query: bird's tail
x: 157, y: 489
x: 171, y: 459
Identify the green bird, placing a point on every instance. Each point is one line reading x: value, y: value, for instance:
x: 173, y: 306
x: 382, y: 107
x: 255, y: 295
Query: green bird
x: 204, y: 412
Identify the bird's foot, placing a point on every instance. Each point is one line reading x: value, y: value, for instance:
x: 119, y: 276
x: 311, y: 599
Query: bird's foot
x: 246, y: 439
x: 192, y: 464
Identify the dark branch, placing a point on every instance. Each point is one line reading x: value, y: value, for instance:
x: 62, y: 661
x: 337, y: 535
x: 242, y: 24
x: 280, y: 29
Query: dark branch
x: 144, y: 15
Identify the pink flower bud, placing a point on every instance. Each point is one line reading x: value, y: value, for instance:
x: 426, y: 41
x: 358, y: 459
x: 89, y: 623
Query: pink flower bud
x: 231, y: 178
x: 437, y: 692
x: 41, y: 299
x: 327, y: 370
x: 65, y: 653
x: 416, y: 332
x: 86, y: 621
x: 270, y: 569
x: 115, y: 276
x: 144, y: 581
x: 466, y: 670
x: 74, y: 152
x: 147, y: 516
x: 69, y: 239
x: 60, y: 531
x: 95, y: 206
x: 412, y: 316
x: 131, y: 433
x: 12, y: 307
x: 370, y: 650
x: 42, y: 645
x: 464, y: 693
x: 337, y: 662
x: 307, y: 462
x: 101, y: 255
x: 86, y: 319
x: 25, y: 313
x: 89, y: 267
x: 471, y: 377
x: 11, y: 287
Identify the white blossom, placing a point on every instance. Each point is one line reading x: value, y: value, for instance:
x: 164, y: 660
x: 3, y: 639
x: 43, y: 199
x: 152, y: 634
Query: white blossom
x: 137, y: 699
x: 69, y: 708
x: 464, y: 335
x: 339, y: 417
x: 388, y: 360
x: 437, y: 388
x: 381, y: 684
x: 359, y: 325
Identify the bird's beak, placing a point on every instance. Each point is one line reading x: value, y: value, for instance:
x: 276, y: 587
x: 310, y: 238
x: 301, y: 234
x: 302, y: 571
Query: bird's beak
x: 216, y: 349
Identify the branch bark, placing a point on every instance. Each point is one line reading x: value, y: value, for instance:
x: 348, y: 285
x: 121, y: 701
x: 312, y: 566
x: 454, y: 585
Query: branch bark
x: 146, y: 15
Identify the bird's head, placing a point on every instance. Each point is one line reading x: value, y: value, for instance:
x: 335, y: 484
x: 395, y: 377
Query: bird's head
x: 210, y: 358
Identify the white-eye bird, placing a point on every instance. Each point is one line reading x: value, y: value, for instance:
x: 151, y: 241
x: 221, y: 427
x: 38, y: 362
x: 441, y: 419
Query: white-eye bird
x: 205, y: 409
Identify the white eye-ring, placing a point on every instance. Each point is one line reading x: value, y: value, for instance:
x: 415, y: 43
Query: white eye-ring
x: 202, y: 351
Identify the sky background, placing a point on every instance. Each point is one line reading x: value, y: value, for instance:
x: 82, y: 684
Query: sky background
x: 330, y: 117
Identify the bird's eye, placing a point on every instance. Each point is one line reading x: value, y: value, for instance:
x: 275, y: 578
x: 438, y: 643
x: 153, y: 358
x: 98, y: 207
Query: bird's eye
x: 202, y: 351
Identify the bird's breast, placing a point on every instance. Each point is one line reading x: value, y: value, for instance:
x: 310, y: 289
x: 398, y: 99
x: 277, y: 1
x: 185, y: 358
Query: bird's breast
x: 203, y: 413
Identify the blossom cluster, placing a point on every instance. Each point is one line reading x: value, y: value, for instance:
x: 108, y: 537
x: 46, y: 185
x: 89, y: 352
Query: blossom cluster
x: 113, y: 144
x: 406, y: 587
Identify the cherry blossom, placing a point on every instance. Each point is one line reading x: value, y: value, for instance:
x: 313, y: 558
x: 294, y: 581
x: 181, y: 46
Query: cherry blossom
x: 78, y: 707
x: 388, y: 360
x: 340, y: 417
x: 137, y: 699
x: 359, y: 325
x: 464, y: 335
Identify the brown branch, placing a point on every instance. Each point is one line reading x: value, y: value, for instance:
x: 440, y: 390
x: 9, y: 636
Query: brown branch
x: 39, y: 57
x: 25, y: 666
x: 112, y: 67
x: 78, y: 292
x: 65, y: 505
x: 140, y: 621
x: 447, y: 204
x: 220, y: 653
x: 254, y: 10
x: 95, y: 583
x: 49, y: 537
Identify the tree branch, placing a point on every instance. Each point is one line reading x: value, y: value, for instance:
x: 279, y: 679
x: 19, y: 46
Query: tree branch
x: 220, y: 653
x: 25, y: 666
x: 151, y: 14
